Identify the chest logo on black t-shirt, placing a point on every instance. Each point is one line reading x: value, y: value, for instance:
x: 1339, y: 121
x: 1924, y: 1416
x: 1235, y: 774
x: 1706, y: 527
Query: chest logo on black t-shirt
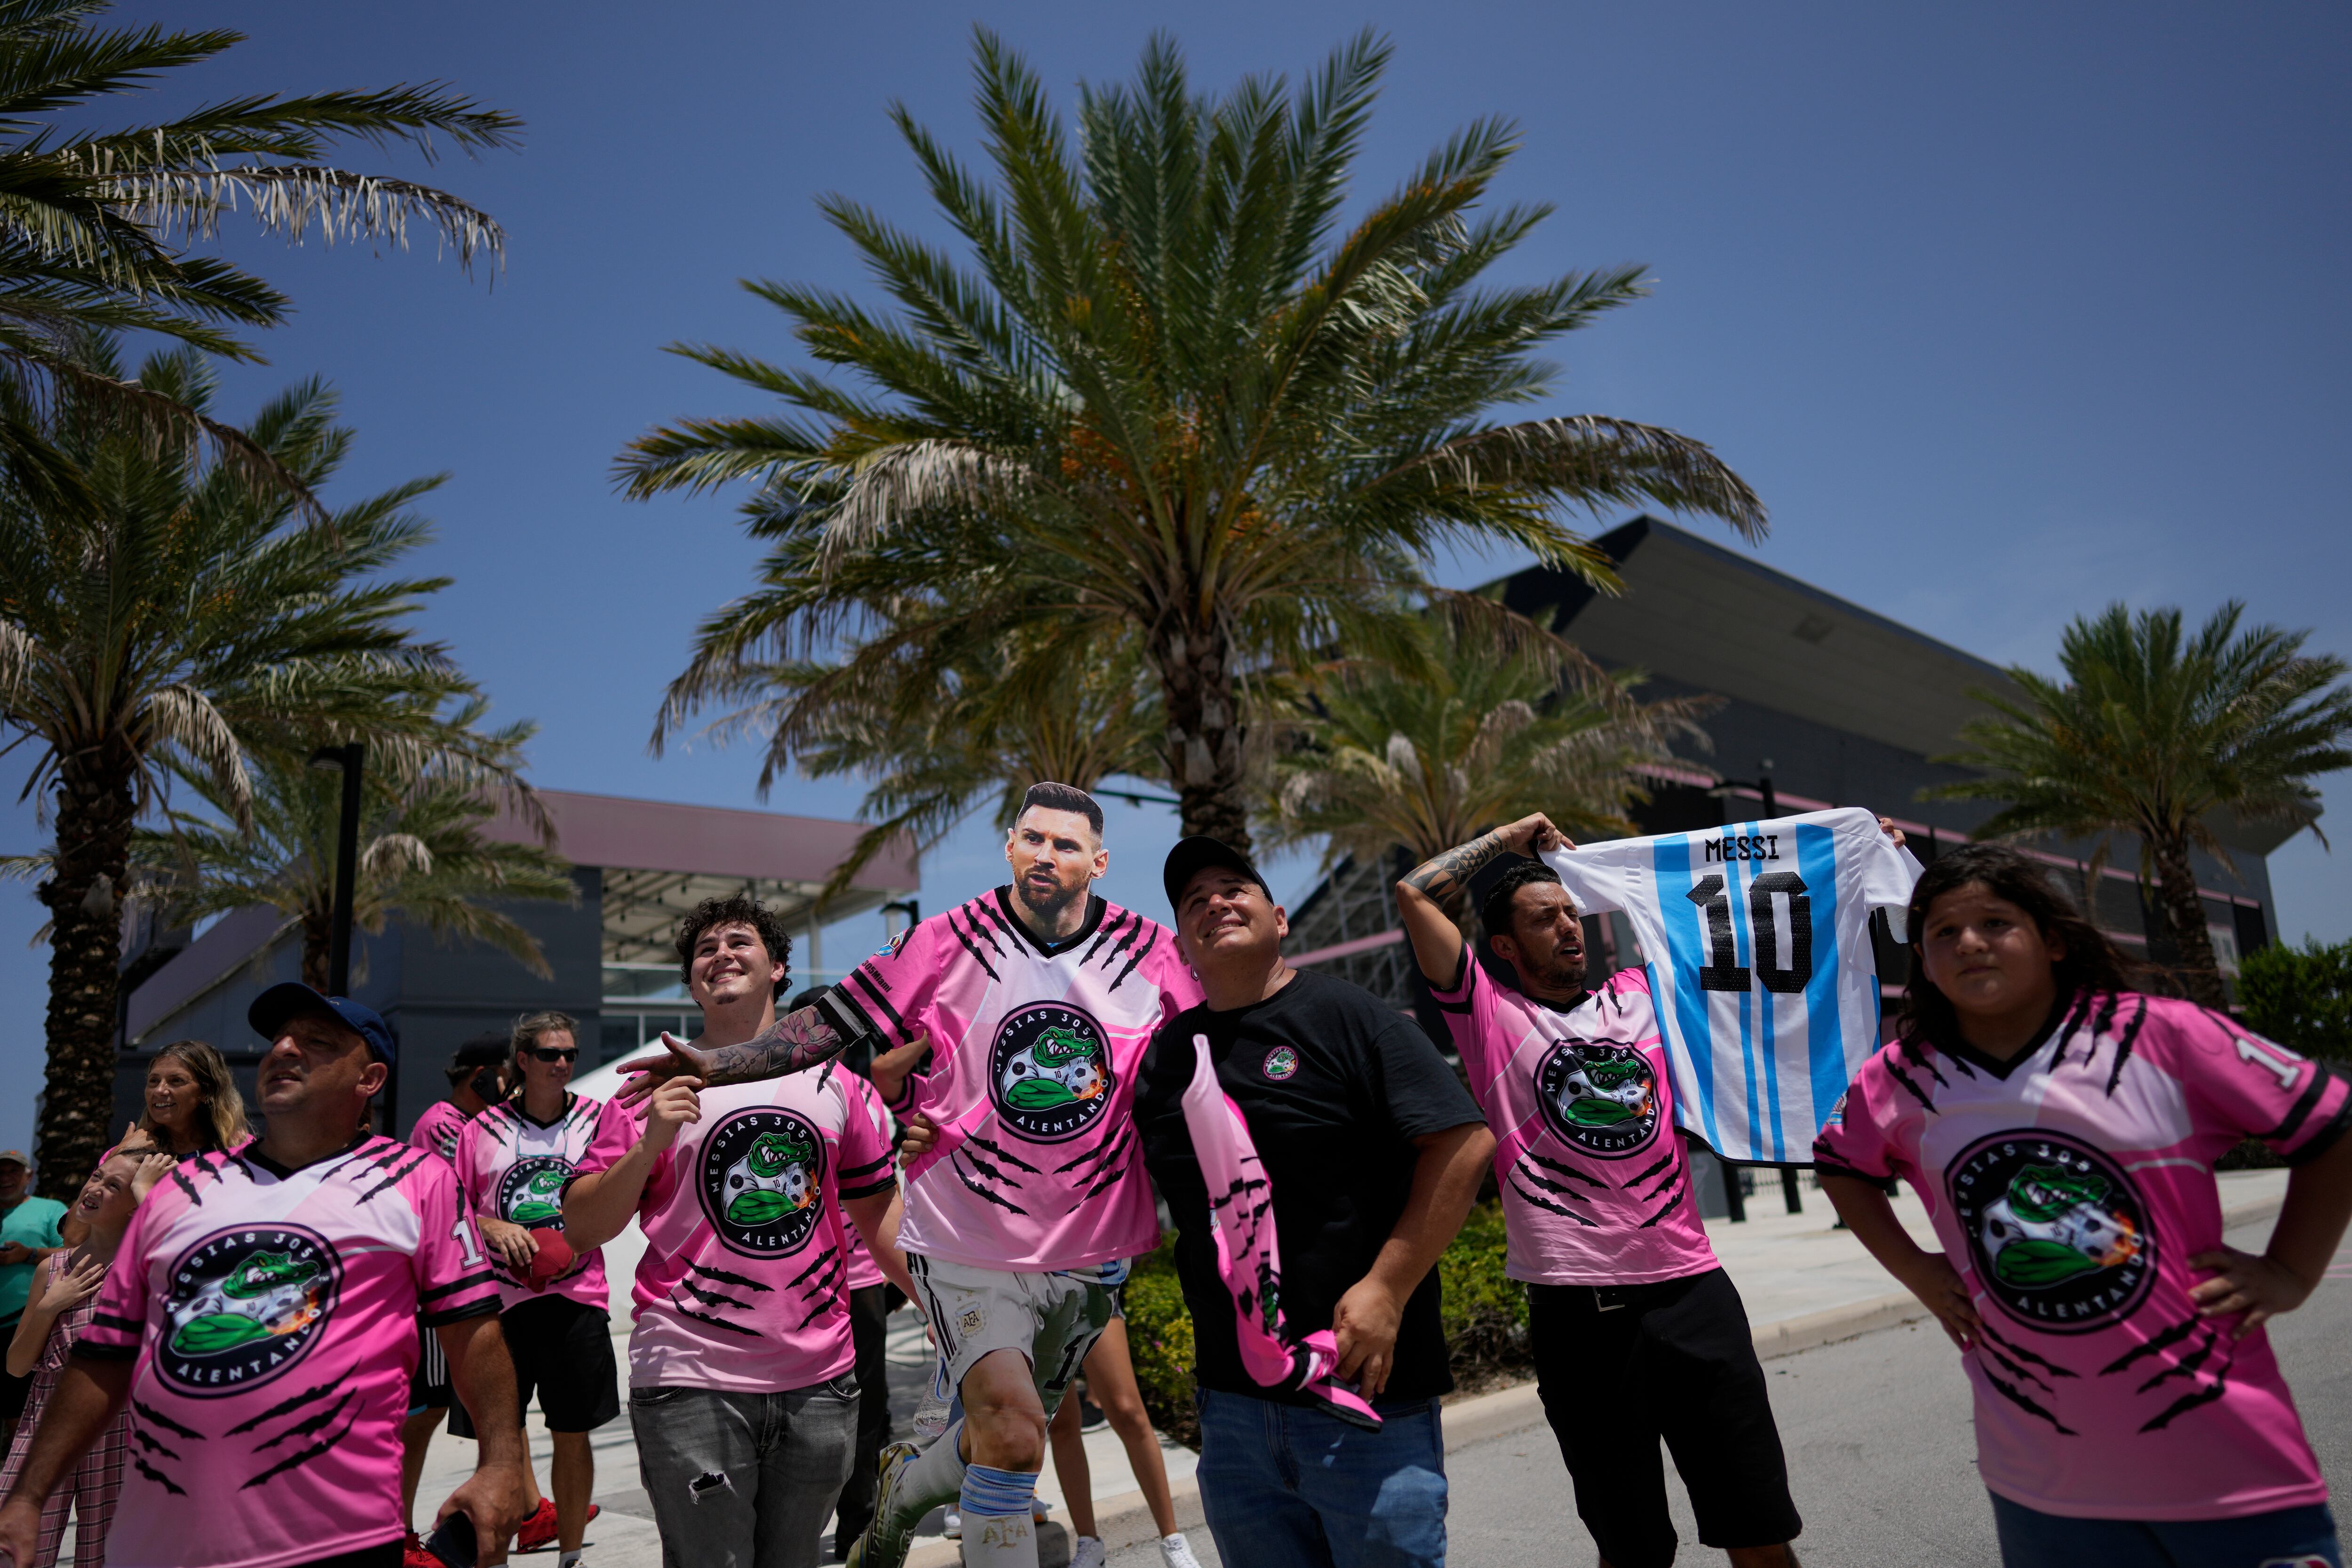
x: 1049, y: 1073
x: 243, y: 1305
x: 761, y: 1173
x: 1281, y: 1062
x: 2056, y: 1232
x: 1599, y: 1098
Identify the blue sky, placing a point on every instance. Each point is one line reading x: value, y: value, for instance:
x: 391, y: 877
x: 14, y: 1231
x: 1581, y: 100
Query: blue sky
x: 2007, y: 310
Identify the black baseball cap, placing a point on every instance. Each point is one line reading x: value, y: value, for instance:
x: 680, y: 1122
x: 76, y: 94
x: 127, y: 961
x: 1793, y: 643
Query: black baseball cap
x: 292, y: 999
x: 1197, y: 853
x: 484, y: 1050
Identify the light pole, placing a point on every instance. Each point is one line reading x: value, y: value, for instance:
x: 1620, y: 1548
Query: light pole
x: 348, y: 758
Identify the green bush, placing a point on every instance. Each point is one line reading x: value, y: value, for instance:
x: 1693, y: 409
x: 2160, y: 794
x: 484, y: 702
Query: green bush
x: 1485, y: 1317
x: 1485, y: 1312
x: 2300, y: 997
x: 1160, y: 1338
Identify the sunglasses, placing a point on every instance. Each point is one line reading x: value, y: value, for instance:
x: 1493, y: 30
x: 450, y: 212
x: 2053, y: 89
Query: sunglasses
x: 555, y: 1056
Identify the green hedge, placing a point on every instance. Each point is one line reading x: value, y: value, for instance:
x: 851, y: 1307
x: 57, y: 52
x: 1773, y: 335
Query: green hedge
x: 1486, y: 1323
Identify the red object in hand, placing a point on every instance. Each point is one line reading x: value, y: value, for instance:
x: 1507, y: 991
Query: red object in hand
x: 552, y: 1260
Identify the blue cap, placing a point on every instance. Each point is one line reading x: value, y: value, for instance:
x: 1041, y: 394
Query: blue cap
x: 292, y: 999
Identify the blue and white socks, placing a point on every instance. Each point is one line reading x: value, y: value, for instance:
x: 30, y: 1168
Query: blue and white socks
x: 997, y: 1529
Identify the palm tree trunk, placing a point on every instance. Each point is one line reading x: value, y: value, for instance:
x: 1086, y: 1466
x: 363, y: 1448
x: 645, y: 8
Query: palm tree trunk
x: 318, y: 948
x: 2184, y: 915
x: 94, y: 812
x: 1204, y: 732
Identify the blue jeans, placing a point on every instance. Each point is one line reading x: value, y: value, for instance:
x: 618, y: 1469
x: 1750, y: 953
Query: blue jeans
x: 1288, y: 1487
x: 2289, y: 1538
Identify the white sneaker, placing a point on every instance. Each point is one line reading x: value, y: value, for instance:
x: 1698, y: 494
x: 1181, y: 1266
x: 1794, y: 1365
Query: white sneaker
x: 953, y: 1529
x: 1090, y: 1553
x: 1176, y: 1552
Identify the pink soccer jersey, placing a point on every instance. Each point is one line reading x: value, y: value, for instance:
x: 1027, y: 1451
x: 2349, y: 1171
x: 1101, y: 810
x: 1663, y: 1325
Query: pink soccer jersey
x: 742, y: 1284
x: 514, y: 1168
x: 2070, y: 1187
x: 1596, y: 1185
x: 438, y: 1129
x: 273, y: 1316
x: 1035, y: 1050
x: 863, y: 1270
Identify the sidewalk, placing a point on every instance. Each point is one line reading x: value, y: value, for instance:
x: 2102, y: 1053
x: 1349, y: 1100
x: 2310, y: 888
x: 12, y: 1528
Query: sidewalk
x: 1805, y: 1284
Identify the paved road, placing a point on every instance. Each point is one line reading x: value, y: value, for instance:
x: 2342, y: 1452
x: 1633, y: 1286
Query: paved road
x: 1880, y: 1448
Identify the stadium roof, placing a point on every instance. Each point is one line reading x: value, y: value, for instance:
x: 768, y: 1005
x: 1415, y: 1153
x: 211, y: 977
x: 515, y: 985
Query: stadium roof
x: 1722, y: 621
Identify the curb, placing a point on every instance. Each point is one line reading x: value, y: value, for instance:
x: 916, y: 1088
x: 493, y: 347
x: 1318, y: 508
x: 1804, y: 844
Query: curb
x: 1124, y: 1521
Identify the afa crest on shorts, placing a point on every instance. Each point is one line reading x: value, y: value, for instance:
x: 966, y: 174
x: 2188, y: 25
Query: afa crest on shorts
x: 244, y: 1305
x: 2056, y: 1232
x: 1049, y: 1073
x: 762, y: 1174
x: 1599, y: 1098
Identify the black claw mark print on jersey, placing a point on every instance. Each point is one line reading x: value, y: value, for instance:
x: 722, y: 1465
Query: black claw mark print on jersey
x: 710, y: 1287
x: 2203, y: 1364
x: 819, y: 1285
x: 143, y: 1415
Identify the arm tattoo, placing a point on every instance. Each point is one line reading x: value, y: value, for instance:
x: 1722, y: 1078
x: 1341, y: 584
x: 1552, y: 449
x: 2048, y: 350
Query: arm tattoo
x: 1447, y: 876
x: 793, y: 1043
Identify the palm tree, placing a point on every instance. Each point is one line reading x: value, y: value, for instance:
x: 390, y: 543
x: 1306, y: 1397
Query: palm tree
x: 1170, y: 400
x: 1485, y: 731
x: 938, y: 743
x: 190, y: 619
x: 2158, y: 736
x: 422, y: 857
x: 93, y: 223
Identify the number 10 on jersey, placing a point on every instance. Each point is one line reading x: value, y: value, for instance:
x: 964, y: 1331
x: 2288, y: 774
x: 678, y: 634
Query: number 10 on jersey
x: 1723, y: 970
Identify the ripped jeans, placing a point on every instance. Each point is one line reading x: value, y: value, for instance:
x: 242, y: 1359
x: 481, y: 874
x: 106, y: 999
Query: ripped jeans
x: 745, y: 1480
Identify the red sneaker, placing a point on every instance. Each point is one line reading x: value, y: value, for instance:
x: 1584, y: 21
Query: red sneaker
x: 413, y: 1555
x: 539, y: 1530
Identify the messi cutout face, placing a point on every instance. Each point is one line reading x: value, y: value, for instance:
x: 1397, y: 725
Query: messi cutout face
x: 730, y: 966
x: 1546, y: 942
x: 1055, y: 858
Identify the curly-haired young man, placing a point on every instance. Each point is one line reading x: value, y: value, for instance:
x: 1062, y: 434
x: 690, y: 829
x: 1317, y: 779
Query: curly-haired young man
x: 742, y: 1391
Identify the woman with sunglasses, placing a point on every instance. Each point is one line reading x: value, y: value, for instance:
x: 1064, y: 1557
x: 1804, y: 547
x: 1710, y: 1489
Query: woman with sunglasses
x: 515, y: 1163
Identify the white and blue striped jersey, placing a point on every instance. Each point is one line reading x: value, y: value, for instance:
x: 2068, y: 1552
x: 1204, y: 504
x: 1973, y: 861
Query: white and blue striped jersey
x: 1758, y: 939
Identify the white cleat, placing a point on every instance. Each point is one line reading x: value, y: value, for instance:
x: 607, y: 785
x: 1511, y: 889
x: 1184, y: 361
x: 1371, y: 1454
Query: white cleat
x: 1090, y: 1553
x: 1176, y: 1552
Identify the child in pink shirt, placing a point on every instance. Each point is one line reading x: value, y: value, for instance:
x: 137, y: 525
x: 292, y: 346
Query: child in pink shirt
x: 2062, y: 1130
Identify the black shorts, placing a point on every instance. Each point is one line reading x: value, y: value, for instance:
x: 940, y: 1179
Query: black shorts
x: 563, y: 1349
x: 1622, y: 1367
x: 428, y: 1385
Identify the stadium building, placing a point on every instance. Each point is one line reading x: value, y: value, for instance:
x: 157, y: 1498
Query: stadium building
x: 1825, y: 703
x: 637, y: 865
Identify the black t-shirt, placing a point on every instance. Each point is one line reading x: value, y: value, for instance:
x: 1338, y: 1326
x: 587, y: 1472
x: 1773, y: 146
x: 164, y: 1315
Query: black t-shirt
x: 1335, y: 1086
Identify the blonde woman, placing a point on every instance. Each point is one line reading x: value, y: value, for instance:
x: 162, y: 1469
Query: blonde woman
x: 192, y: 1105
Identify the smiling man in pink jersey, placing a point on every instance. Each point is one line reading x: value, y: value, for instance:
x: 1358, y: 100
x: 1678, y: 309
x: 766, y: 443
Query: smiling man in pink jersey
x: 1039, y: 1000
x: 259, y: 1321
x: 743, y: 1388
x: 1637, y: 1332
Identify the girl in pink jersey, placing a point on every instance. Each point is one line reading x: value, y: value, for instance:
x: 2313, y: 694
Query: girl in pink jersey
x: 2062, y: 1130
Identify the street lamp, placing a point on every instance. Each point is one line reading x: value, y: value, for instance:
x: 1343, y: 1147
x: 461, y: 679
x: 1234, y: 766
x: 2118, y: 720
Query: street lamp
x: 349, y: 758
